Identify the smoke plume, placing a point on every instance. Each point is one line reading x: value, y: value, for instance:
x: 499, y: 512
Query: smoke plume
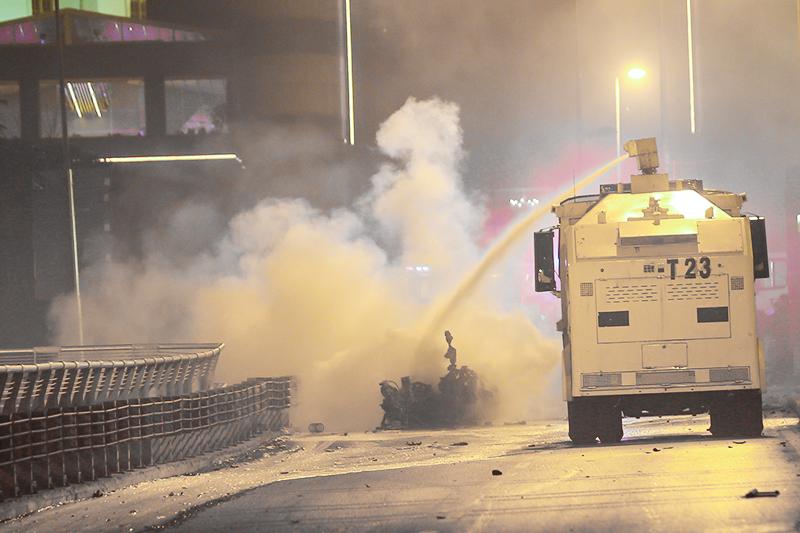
x: 336, y: 298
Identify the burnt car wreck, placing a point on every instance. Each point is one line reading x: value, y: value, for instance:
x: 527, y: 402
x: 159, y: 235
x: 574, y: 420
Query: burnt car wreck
x: 459, y: 399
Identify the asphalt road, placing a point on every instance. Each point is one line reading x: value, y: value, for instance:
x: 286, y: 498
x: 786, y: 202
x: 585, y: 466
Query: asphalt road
x: 667, y: 475
x: 660, y: 480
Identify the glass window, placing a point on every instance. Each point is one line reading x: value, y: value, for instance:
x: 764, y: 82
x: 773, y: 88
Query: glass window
x: 119, y: 8
x: 94, y: 29
x: 9, y: 111
x: 196, y: 106
x: 95, y: 108
x: 15, y: 9
x: 29, y: 31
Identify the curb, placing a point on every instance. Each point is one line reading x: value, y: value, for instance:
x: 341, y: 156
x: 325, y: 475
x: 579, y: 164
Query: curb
x: 31, y: 503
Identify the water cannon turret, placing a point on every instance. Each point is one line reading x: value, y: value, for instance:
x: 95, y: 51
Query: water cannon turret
x: 646, y: 152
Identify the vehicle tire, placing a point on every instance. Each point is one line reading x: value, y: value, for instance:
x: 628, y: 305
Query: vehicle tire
x: 723, y: 423
x: 738, y: 414
x: 610, y: 421
x: 750, y: 417
x: 581, y: 418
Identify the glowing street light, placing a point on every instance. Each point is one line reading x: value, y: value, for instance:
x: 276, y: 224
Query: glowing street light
x: 169, y: 158
x: 637, y: 73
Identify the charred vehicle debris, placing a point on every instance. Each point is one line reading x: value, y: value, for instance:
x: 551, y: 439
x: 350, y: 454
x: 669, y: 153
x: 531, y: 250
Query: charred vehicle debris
x: 459, y: 399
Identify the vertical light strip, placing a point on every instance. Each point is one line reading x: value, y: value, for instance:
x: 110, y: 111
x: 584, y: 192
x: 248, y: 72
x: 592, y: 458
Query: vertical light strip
x: 797, y: 10
x: 350, y: 113
x: 691, y: 64
x: 74, y: 100
x: 617, y: 120
x: 74, y: 230
x: 94, y: 100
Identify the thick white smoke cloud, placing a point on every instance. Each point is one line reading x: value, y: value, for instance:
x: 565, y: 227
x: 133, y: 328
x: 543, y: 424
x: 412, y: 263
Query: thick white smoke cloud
x: 327, y: 296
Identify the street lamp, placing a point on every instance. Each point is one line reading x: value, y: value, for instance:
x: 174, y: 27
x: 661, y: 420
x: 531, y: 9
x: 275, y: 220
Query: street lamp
x: 635, y: 73
x: 67, y: 153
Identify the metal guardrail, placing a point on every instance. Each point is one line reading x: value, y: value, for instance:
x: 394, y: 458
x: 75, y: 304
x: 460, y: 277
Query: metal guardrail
x: 115, y: 372
x: 98, y: 352
x: 68, y: 445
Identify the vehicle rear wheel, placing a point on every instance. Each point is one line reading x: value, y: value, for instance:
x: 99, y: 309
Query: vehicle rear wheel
x: 610, y: 421
x: 750, y: 414
x: 737, y: 414
x: 581, y: 421
x: 722, y: 417
x: 591, y: 418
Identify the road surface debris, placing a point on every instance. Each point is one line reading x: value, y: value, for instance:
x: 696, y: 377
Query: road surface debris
x: 755, y: 493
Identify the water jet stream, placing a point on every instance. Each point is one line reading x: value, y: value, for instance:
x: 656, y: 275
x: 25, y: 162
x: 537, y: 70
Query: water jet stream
x: 470, y: 282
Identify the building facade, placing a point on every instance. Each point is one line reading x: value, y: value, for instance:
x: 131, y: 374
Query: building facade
x: 144, y: 78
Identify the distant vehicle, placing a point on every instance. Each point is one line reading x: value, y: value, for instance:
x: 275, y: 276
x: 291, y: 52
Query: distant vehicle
x: 658, y: 303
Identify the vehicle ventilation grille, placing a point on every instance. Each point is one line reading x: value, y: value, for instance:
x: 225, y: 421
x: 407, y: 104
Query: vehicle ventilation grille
x: 665, y: 378
x: 737, y: 283
x: 704, y: 290
x: 737, y: 373
x: 613, y: 379
x: 587, y: 289
x: 631, y: 293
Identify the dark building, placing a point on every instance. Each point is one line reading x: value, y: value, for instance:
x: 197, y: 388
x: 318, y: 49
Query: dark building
x: 148, y: 78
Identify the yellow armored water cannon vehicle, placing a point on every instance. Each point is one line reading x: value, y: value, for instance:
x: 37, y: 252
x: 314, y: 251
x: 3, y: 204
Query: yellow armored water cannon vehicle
x: 658, y: 303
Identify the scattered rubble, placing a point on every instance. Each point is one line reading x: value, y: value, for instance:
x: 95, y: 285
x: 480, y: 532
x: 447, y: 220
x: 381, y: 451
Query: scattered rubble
x: 755, y: 493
